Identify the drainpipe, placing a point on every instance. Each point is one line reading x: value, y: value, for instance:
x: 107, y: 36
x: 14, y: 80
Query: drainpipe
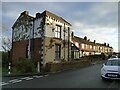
x: 68, y: 42
x: 29, y: 56
x: 64, y: 41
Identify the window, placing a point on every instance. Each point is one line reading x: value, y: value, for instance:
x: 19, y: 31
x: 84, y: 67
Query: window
x: 86, y: 46
x: 76, y: 55
x: 77, y: 44
x: 113, y: 63
x: 57, y: 51
x: 90, y: 46
x: 94, y: 47
x: 82, y: 45
x: 58, y: 31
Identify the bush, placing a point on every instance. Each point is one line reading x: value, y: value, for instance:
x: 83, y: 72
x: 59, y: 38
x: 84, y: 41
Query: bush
x: 24, y: 66
x: 118, y: 55
x: 5, y: 59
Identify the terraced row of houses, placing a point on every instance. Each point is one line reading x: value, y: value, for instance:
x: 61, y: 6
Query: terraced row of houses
x: 84, y: 47
x: 48, y: 38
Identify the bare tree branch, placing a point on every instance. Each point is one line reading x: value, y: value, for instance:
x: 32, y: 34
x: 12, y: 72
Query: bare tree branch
x: 6, y: 44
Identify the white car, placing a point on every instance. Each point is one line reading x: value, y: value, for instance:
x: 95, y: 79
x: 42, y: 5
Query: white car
x: 114, y: 56
x: 111, y: 69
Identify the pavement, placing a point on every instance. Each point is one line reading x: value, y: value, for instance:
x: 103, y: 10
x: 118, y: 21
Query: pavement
x: 5, y: 74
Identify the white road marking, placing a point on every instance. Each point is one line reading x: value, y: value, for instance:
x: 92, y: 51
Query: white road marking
x: 29, y: 78
x: 3, y: 83
x: 37, y: 76
x: 25, y: 77
x: 17, y: 81
x: 13, y: 80
x: 45, y: 75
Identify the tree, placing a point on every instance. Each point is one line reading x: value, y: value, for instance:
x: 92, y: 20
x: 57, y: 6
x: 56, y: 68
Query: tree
x: 6, y: 44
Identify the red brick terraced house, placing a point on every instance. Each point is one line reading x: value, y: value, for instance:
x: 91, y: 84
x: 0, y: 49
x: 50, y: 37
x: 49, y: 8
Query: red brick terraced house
x: 84, y: 47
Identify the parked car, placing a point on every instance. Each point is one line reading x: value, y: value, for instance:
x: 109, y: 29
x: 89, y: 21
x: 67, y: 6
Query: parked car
x: 111, y: 69
x: 114, y: 56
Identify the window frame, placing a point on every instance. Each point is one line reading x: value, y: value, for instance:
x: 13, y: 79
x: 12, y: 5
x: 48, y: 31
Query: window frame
x: 58, y: 31
x: 57, y: 51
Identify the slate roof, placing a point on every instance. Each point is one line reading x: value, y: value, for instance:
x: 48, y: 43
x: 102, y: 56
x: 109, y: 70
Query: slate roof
x: 81, y: 40
x: 55, y: 17
x: 45, y: 13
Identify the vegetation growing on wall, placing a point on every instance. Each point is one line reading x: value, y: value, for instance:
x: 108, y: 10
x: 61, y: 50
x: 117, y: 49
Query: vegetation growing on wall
x: 24, y: 66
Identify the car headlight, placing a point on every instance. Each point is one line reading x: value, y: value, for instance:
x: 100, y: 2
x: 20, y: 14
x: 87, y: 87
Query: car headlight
x: 104, y: 70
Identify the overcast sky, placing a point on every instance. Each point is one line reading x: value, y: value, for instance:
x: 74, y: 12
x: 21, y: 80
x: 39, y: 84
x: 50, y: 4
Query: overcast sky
x: 96, y: 20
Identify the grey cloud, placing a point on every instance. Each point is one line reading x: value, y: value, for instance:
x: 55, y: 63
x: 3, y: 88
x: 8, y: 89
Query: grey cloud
x: 61, y: 1
x: 90, y: 15
x: 101, y: 14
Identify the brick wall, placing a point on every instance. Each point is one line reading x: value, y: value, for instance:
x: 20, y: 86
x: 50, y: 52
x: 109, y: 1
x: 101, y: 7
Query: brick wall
x: 19, y: 49
x: 37, y: 49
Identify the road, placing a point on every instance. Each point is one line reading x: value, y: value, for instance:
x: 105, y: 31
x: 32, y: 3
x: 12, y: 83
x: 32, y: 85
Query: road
x: 88, y: 77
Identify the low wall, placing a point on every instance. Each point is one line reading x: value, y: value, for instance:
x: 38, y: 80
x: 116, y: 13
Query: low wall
x: 54, y: 67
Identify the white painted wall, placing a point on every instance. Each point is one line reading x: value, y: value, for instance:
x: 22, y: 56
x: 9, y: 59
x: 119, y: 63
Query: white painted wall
x: 20, y: 33
x: 37, y: 28
x: 51, y: 33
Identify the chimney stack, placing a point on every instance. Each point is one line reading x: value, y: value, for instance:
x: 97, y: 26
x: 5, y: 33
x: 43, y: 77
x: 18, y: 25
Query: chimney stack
x: 25, y: 13
x: 72, y: 34
x: 38, y: 15
x: 105, y: 44
x: 85, y: 38
x: 94, y: 41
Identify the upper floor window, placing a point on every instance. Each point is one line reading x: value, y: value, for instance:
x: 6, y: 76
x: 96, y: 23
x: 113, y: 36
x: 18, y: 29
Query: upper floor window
x: 82, y: 45
x: 90, y: 46
x: 58, y: 31
x: 86, y: 46
x: 77, y: 44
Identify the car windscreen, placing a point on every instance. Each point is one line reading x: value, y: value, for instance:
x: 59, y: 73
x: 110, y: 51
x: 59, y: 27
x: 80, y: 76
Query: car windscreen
x: 113, y: 63
x: 113, y: 57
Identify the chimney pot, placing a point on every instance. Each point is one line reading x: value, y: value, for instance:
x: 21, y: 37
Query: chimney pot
x: 25, y: 13
x: 38, y: 15
x: 85, y: 38
x: 105, y: 43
